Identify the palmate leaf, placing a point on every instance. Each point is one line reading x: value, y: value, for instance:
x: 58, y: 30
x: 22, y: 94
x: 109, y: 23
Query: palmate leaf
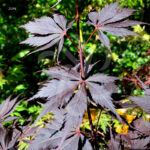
x: 57, y: 92
x: 6, y: 108
x: 56, y: 88
x: 44, y: 141
x: 140, y: 137
x: 9, y: 137
x: 63, y: 73
x: 102, y: 97
x: 110, y: 20
x: 102, y: 78
x: 137, y: 138
x: 46, y: 32
x: 42, y: 138
x: 100, y: 94
x: 63, y: 93
x: 143, y: 101
x: 78, y: 101
x: 142, y: 126
x: 60, y: 92
x: 51, y: 136
x: 113, y: 143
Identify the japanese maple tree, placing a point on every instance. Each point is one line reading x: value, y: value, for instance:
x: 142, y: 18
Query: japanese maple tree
x: 70, y: 93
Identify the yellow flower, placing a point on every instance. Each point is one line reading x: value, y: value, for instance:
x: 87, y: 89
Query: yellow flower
x: 93, y: 114
x: 123, y: 129
x: 121, y: 111
x: 129, y: 118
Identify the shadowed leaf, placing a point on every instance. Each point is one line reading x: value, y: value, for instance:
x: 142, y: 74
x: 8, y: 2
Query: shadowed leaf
x: 7, y: 107
x: 143, y: 101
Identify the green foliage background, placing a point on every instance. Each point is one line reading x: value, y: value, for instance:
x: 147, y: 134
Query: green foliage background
x: 19, y: 74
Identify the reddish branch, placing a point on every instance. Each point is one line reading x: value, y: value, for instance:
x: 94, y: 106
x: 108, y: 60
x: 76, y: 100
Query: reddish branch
x: 89, y: 38
x: 72, y: 42
x: 98, y: 120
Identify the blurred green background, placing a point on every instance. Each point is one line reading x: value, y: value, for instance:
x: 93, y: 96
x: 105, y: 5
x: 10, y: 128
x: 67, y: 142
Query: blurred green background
x: 21, y: 75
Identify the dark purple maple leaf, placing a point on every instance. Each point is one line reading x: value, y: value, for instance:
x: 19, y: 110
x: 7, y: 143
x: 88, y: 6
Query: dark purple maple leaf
x: 68, y: 90
x: 50, y: 137
x: 142, y: 126
x: 46, y: 32
x: 9, y: 137
x: 60, y: 92
x: 102, y: 78
x: 140, y: 137
x: 44, y: 141
x: 99, y: 93
x: 77, y: 106
x: 137, y: 138
x: 6, y: 108
x: 63, y: 73
x: 72, y: 143
x: 114, y: 142
x: 110, y: 20
x: 143, y: 101
x: 27, y: 132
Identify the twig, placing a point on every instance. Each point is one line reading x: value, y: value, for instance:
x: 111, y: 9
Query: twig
x: 72, y: 42
x: 89, y: 38
x: 98, y: 120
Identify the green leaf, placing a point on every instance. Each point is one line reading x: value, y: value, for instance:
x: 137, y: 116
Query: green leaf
x: 20, y: 87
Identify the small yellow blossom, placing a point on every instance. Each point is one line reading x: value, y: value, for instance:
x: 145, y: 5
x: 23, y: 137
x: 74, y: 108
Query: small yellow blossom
x: 123, y: 129
x: 129, y: 118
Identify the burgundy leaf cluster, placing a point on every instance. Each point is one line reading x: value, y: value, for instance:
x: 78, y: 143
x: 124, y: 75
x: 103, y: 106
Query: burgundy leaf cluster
x: 10, y: 137
x: 111, y: 20
x: 46, y: 32
x: 137, y: 138
x: 69, y: 93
